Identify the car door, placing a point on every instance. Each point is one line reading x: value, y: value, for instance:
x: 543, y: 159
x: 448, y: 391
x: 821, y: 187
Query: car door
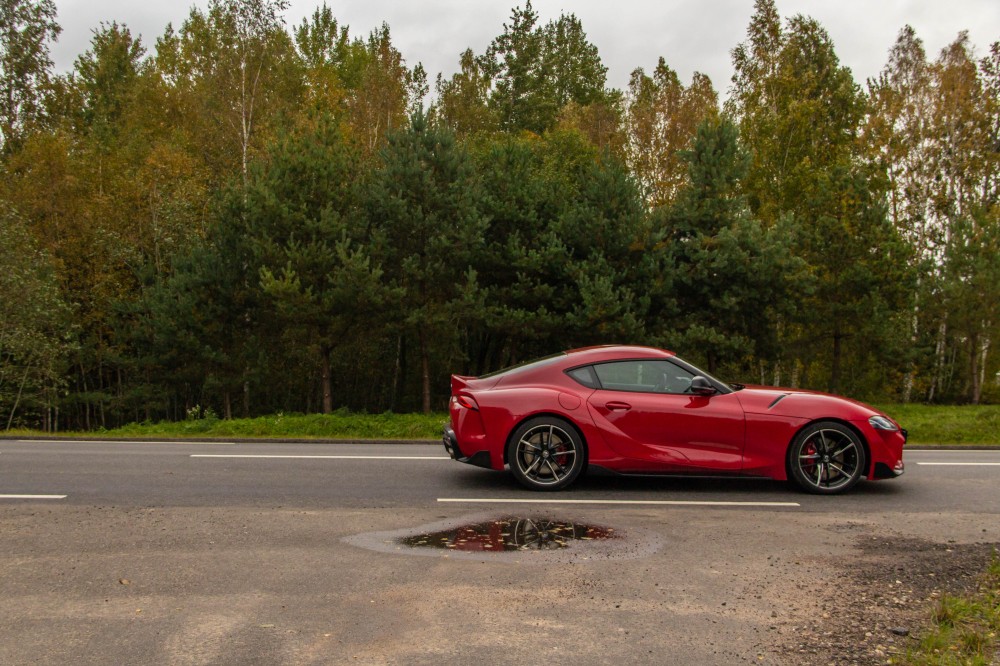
x: 646, y: 413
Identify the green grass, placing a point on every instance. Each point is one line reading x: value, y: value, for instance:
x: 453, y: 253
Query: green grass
x: 339, y: 425
x: 927, y: 424
x: 964, y: 629
x: 948, y: 424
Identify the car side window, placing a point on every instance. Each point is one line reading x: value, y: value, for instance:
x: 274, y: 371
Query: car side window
x: 585, y: 376
x: 645, y: 376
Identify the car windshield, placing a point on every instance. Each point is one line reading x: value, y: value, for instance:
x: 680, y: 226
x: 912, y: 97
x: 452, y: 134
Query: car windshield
x: 534, y: 363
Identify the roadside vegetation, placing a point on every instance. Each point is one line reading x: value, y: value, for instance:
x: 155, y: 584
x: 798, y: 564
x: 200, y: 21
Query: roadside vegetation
x: 927, y: 424
x: 948, y: 424
x: 964, y: 629
x: 340, y: 424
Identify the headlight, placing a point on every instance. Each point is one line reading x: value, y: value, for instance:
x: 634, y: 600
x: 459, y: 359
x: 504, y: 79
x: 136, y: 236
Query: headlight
x: 882, y: 423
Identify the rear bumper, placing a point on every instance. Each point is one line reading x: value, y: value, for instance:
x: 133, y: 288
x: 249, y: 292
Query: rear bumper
x: 479, y: 459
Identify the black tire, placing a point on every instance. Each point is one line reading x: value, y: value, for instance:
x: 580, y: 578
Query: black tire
x: 546, y: 453
x: 826, y: 458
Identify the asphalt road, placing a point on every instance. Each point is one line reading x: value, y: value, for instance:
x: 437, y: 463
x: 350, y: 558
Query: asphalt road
x: 212, y: 553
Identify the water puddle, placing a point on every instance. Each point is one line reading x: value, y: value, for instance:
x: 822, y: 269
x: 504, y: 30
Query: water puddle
x: 539, y: 538
x: 510, y: 534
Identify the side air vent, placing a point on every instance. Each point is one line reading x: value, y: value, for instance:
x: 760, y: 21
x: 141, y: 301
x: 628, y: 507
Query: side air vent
x: 778, y: 399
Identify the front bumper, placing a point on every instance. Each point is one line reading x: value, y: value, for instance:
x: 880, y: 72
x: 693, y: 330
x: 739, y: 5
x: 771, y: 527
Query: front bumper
x: 479, y: 459
x: 883, y: 471
x: 886, y: 448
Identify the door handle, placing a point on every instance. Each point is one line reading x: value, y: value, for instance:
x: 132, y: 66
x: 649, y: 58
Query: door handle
x: 618, y: 406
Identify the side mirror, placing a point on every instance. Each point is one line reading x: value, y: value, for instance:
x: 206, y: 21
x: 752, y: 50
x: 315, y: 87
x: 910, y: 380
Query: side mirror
x: 701, y: 386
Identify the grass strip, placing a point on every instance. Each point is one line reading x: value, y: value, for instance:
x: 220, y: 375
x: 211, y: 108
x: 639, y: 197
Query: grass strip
x: 964, y: 628
x: 948, y: 424
x: 338, y: 425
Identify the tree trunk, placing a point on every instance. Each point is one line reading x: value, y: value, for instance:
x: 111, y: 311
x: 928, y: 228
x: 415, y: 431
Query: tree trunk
x: 86, y: 403
x: 327, y: 380
x: 100, y: 388
x: 985, y: 347
x: 246, y: 393
x: 939, y: 360
x: 835, y: 366
x: 397, y: 373
x: 974, y: 388
x: 914, y: 332
x: 17, y: 400
x: 227, y: 404
x: 425, y: 365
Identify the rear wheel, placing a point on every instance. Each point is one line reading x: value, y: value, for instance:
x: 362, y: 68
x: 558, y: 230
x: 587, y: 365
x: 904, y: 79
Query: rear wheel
x: 546, y: 453
x: 826, y: 458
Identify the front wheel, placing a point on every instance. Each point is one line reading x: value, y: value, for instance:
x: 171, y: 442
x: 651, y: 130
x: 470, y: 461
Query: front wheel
x: 826, y: 458
x: 546, y: 453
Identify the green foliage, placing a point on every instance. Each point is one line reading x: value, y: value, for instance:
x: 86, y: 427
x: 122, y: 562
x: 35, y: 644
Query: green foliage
x: 563, y: 249
x: 661, y: 118
x: 537, y: 70
x: 462, y: 100
x: 424, y: 209
x: 35, y: 339
x: 304, y: 218
x: 105, y: 75
x: 251, y: 219
x: 26, y: 28
x: 964, y: 628
x: 733, y: 277
x: 799, y: 113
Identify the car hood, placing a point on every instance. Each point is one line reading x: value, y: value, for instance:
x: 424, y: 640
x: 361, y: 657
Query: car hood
x: 803, y: 404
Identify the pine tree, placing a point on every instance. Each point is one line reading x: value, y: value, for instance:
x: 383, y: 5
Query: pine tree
x: 424, y: 205
x: 305, y: 222
x: 733, y: 277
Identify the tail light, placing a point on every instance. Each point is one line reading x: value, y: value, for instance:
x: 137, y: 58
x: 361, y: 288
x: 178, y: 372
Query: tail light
x: 466, y: 401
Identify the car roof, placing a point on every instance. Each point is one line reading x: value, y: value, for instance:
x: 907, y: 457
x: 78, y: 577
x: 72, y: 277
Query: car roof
x: 596, y: 354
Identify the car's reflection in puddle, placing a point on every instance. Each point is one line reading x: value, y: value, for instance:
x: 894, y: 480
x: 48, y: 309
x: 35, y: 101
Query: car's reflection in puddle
x: 507, y: 534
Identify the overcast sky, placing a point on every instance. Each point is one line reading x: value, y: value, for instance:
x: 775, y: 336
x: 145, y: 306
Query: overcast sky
x: 690, y: 35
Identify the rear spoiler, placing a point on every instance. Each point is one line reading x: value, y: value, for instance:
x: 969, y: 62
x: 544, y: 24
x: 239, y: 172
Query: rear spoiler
x: 460, y: 382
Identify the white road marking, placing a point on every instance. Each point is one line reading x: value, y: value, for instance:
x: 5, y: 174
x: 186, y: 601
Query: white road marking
x: 219, y: 455
x: 962, y: 464
x: 934, y: 452
x: 629, y: 502
x: 32, y: 496
x: 114, y: 441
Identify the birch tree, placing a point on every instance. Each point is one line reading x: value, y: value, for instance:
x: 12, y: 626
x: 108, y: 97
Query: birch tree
x: 26, y: 28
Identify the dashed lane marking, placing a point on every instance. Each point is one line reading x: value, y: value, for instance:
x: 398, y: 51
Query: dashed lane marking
x: 309, y: 457
x: 625, y: 502
x: 116, y: 441
x: 32, y: 496
x: 961, y: 464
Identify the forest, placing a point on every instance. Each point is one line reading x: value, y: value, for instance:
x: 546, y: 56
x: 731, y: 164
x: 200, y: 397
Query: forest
x: 248, y: 217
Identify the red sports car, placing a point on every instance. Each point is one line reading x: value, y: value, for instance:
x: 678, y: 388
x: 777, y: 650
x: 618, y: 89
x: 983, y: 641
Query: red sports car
x: 638, y: 410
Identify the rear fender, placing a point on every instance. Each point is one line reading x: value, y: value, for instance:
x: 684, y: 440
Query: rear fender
x: 579, y: 431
